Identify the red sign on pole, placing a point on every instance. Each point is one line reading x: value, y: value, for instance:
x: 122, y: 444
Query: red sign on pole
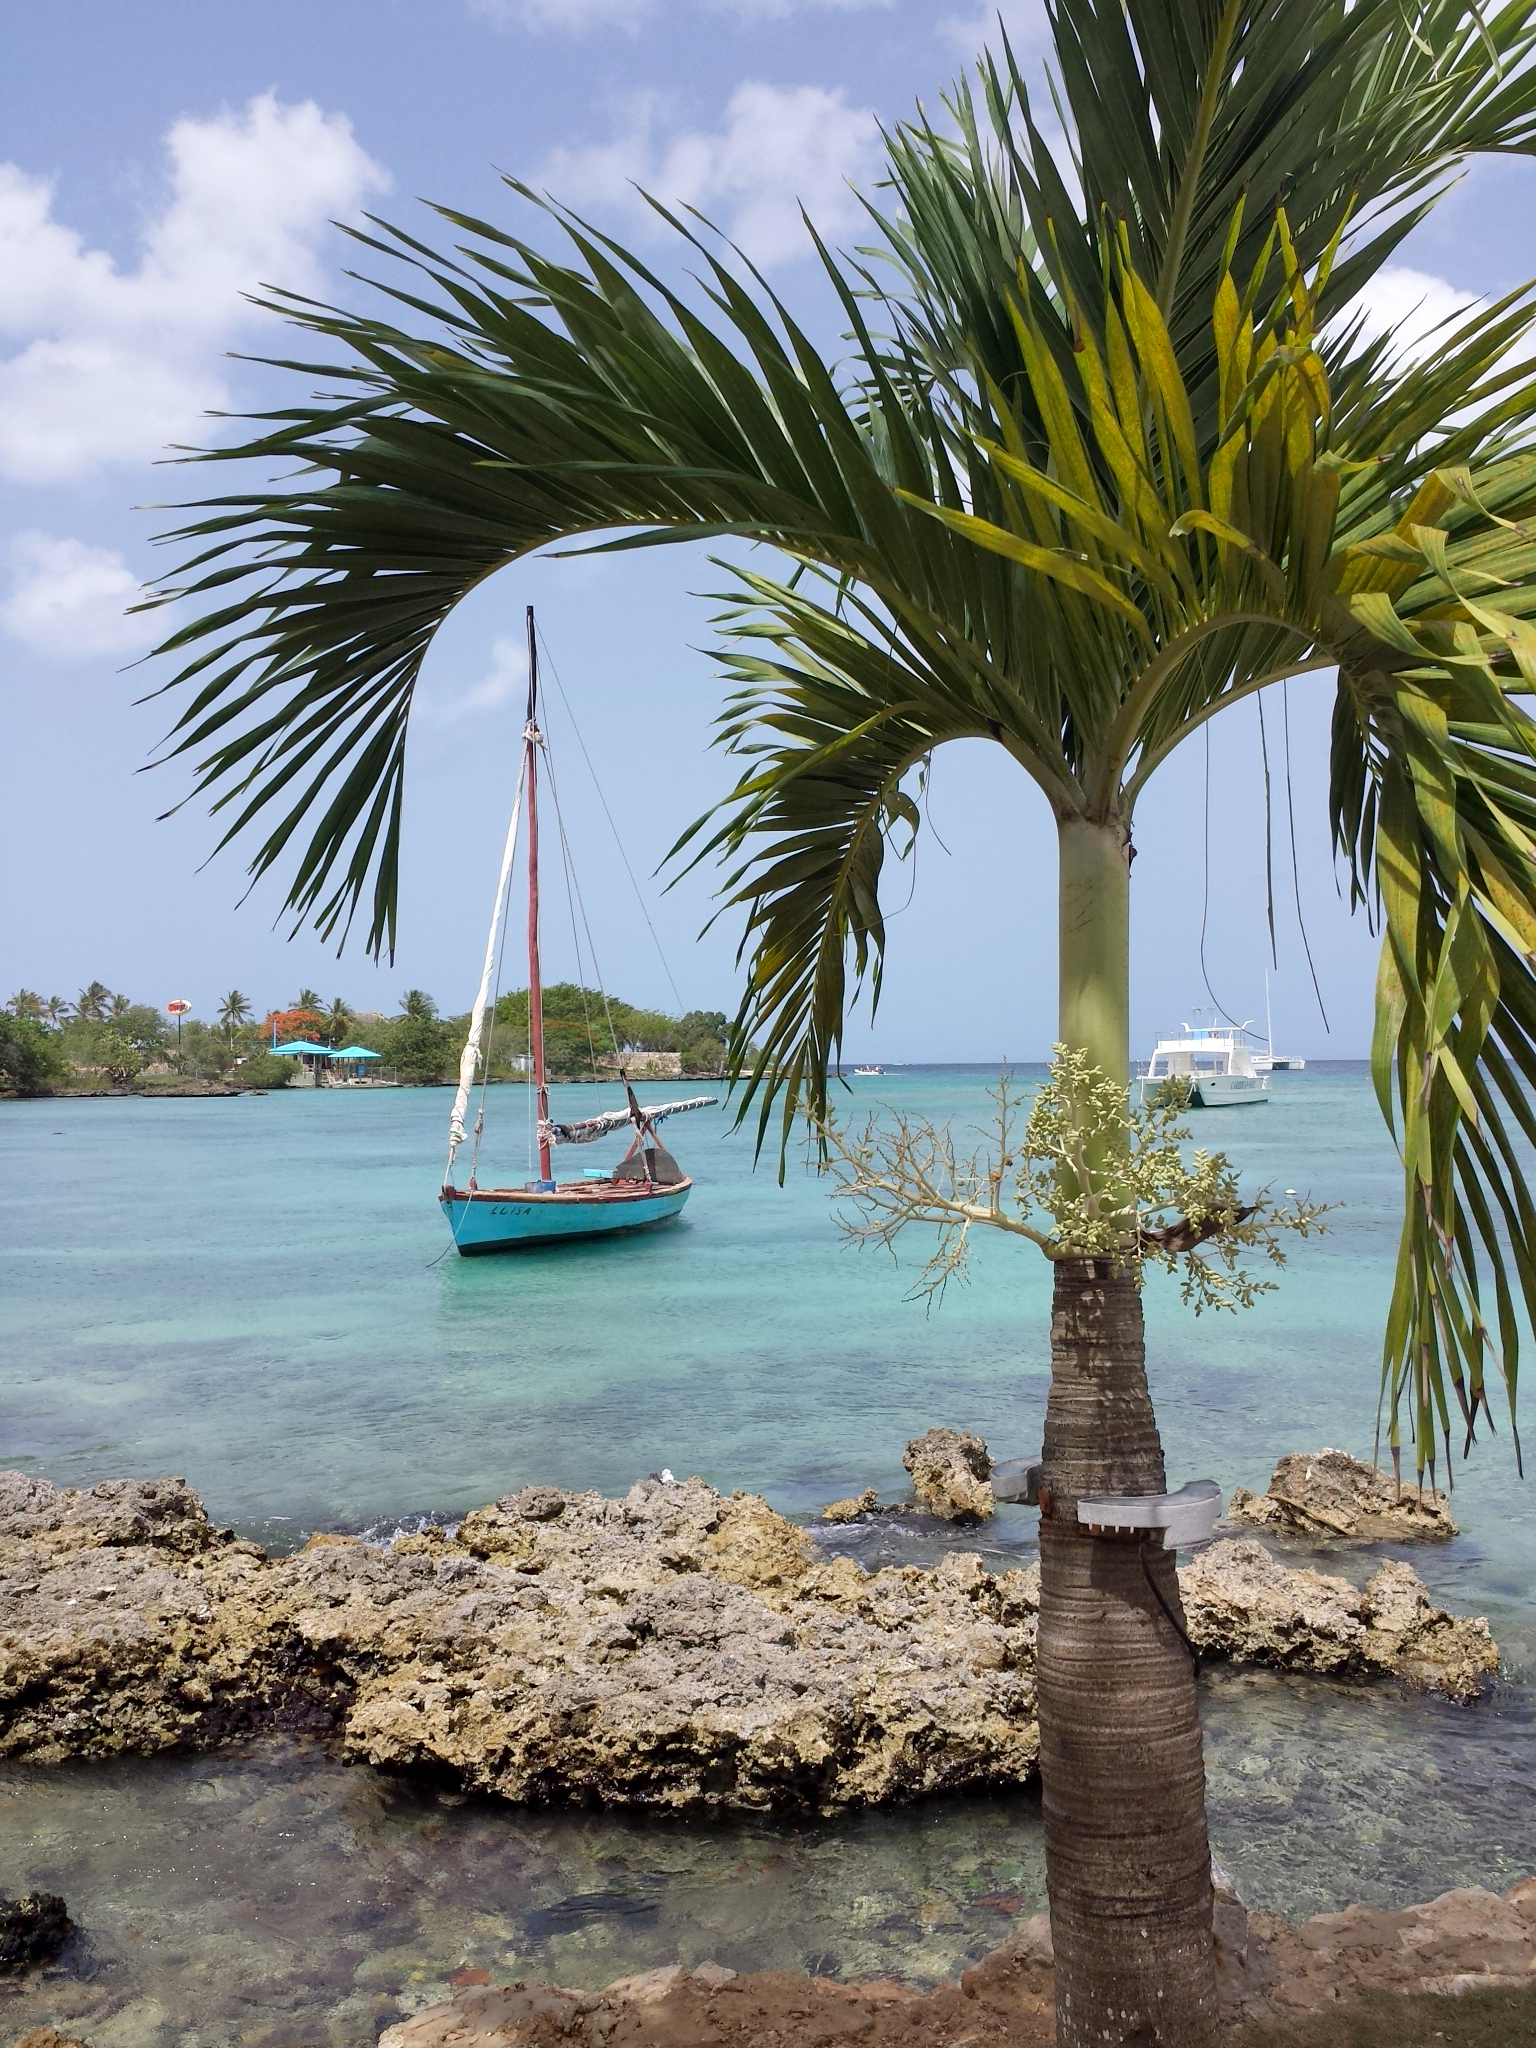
x: 179, y: 1008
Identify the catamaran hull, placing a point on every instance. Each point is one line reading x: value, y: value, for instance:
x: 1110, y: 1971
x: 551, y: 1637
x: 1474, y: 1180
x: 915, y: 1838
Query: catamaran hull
x: 518, y: 1220
x: 1226, y: 1091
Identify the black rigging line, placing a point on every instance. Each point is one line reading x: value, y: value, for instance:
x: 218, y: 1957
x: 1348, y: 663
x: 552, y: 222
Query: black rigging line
x: 612, y: 827
x: 1205, y: 901
x: 1269, y: 860
x: 1290, y: 808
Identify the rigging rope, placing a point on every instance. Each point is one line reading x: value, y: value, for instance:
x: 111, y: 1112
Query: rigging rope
x: 613, y: 828
x: 573, y: 885
x: 1290, y: 806
x: 1205, y: 901
x: 1269, y: 857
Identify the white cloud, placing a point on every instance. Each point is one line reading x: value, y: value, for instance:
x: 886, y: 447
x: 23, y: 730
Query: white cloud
x: 576, y: 15
x: 69, y: 600
x: 1025, y: 21
x: 506, y: 677
x: 1409, y: 305
x: 114, y: 364
x: 777, y: 148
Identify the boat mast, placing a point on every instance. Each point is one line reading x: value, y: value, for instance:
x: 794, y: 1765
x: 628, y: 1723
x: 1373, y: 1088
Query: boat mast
x: 531, y: 741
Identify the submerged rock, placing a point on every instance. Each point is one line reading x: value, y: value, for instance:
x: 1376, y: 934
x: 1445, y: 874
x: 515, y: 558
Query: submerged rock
x: 1240, y: 1602
x: 950, y: 1469
x: 32, y: 1931
x: 1266, y: 1967
x: 1331, y: 1496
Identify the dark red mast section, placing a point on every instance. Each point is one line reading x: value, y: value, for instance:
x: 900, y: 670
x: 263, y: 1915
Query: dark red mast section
x: 535, y: 980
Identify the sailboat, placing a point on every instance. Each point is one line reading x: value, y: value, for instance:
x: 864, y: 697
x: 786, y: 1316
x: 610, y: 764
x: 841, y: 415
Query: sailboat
x: 647, y: 1186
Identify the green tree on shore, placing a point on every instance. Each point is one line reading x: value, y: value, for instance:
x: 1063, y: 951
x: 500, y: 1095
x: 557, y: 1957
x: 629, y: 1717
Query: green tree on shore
x: 30, y: 1060
x: 420, y: 1045
x: 26, y: 1003
x: 234, y: 1010
x: 338, y: 1021
x: 94, y: 1002
x: 1110, y: 459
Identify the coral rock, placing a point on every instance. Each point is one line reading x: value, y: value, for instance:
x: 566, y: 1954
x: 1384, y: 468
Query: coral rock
x: 864, y: 1503
x: 950, y: 1469
x: 1240, y: 1602
x: 675, y: 1650
x: 1333, y: 1497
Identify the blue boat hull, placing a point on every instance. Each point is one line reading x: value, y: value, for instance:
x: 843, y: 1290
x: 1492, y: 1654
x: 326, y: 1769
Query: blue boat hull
x: 516, y: 1219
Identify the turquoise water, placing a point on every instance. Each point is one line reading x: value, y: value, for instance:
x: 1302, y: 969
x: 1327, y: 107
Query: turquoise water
x: 249, y: 1292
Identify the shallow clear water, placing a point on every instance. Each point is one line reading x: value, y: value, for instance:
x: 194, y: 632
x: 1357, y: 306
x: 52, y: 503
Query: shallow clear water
x: 248, y: 1292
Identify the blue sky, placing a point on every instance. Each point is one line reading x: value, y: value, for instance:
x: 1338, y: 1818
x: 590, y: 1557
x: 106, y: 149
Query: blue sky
x: 158, y: 161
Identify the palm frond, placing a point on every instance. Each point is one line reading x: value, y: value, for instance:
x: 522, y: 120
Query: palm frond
x: 1104, y: 458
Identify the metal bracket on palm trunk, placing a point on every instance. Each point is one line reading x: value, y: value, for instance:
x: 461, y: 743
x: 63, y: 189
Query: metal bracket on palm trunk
x: 1017, y: 1480
x: 1187, y: 1516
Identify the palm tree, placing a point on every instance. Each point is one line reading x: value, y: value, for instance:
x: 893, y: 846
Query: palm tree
x: 119, y: 1006
x: 338, y: 1020
x: 311, y: 1000
x: 1108, y: 457
x: 55, y: 1009
x: 94, y: 1002
x: 234, y: 1011
x: 417, y: 1003
x: 27, y: 1003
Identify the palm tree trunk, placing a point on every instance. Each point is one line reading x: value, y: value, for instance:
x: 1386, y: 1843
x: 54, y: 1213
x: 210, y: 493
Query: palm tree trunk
x: 1128, y: 1863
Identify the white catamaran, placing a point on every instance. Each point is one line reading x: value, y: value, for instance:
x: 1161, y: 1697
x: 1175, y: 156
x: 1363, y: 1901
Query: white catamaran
x: 1214, y: 1061
x: 647, y: 1186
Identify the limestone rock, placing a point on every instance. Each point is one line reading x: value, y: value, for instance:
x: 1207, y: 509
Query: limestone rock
x: 674, y: 1650
x: 1411, y: 1637
x: 1331, y: 1497
x: 1240, y: 1602
x: 159, y: 1514
x: 850, y: 1510
x: 49, y: 2037
x: 950, y: 1469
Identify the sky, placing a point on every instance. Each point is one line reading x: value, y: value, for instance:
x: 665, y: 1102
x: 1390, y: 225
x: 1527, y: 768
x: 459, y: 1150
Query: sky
x: 162, y: 159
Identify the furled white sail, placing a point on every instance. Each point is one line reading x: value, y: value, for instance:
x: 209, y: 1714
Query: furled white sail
x: 591, y: 1128
x: 469, y: 1059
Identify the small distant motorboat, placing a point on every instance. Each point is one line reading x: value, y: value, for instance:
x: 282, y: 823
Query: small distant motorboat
x: 646, y: 1187
x: 1215, y: 1063
x: 868, y: 1072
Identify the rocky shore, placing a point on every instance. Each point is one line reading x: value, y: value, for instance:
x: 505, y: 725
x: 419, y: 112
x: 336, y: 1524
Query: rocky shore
x: 674, y: 1650
x: 1267, y: 1968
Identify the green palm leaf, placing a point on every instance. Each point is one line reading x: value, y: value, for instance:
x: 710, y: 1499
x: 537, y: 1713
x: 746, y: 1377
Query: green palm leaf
x: 1103, y: 461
